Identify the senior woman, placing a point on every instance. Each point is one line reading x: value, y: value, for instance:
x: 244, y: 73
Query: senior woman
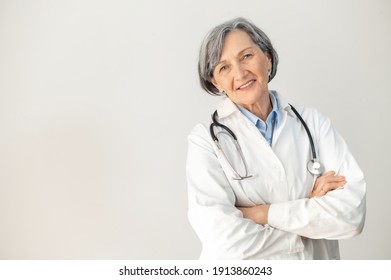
x: 266, y: 180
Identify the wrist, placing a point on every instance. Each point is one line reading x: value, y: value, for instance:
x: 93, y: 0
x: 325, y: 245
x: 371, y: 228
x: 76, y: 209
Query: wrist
x: 264, y: 214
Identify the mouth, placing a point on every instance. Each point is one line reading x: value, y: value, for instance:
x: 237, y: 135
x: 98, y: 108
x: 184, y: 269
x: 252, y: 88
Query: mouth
x: 247, y: 85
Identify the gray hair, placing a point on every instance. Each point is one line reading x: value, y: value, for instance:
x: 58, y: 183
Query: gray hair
x: 212, y: 45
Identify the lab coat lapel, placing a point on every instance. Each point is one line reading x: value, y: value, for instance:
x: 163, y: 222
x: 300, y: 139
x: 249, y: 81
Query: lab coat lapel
x: 230, y: 115
x: 226, y: 107
x: 287, y: 113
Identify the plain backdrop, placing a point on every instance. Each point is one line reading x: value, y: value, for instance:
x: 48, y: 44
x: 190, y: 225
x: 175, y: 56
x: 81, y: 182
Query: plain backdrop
x: 97, y: 98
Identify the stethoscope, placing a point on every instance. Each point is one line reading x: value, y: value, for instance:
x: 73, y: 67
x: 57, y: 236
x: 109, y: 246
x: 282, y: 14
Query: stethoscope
x: 313, y: 166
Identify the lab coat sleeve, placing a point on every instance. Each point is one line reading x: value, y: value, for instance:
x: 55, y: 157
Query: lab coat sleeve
x: 223, y: 231
x: 340, y: 213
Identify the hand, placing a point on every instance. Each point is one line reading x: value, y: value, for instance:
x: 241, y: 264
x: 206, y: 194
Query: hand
x: 327, y: 182
x: 258, y: 214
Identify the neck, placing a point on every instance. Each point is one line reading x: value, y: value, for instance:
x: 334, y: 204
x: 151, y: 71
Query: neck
x: 262, y: 108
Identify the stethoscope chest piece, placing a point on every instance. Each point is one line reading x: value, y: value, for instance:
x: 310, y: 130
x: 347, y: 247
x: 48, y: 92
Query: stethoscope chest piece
x: 315, y: 167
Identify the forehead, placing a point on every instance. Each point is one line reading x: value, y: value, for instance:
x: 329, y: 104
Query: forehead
x: 236, y: 41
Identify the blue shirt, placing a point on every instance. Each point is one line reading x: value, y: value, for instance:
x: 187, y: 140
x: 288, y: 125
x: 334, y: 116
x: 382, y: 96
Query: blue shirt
x: 266, y: 128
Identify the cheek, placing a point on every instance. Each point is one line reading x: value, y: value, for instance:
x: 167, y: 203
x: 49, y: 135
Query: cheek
x: 224, y: 83
x: 264, y: 69
x: 265, y: 64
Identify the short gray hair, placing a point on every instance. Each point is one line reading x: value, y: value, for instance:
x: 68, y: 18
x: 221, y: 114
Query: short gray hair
x: 212, y: 45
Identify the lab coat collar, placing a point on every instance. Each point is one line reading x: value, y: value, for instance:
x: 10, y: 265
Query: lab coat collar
x: 226, y: 107
x: 284, y: 105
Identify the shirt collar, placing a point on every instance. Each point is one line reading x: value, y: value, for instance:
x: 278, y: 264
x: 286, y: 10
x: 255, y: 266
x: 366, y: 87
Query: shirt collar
x: 275, y: 113
x: 226, y: 107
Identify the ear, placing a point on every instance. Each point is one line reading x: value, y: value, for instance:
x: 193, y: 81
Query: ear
x: 269, y: 61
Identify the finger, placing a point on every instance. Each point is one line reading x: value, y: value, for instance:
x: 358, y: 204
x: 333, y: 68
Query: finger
x: 326, y: 175
x: 317, y: 192
x: 334, y: 180
x: 329, y: 179
x: 333, y: 186
x: 329, y: 173
x: 321, y: 191
x: 329, y: 186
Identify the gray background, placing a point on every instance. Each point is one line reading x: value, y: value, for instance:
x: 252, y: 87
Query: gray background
x: 97, y: 98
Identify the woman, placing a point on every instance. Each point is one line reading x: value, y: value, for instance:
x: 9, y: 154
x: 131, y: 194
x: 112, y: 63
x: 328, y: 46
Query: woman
x: 255, y: 198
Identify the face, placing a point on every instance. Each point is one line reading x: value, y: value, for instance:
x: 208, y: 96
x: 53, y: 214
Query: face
x: 242, y: 72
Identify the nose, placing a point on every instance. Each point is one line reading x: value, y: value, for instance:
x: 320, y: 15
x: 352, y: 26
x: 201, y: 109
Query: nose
x: 240, y: 72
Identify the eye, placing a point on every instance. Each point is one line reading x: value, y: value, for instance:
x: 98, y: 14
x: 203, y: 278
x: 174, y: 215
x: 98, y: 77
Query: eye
x: 223, y: 68
x: 247, y: 55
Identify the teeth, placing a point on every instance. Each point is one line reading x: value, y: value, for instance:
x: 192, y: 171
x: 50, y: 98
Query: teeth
x: 245, y: 85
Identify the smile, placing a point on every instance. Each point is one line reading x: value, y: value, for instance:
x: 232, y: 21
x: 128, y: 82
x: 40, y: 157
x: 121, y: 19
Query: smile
x: 246, y: 85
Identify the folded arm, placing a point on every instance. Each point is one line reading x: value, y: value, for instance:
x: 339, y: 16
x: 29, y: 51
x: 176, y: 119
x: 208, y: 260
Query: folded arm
x: 336, y: 207
x: 221, y: 227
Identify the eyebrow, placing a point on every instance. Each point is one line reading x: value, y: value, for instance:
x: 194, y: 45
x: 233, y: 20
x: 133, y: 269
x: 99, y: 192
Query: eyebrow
x: 239, y: 53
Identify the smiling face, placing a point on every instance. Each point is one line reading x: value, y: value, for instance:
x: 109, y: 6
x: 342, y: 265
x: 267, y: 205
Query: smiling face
x: 242, y: 71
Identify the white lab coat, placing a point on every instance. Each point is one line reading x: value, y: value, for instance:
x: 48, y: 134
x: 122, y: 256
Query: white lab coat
x: 299, y: 227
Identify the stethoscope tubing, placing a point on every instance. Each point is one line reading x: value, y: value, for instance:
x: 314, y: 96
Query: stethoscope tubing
x: 216, y: 123
x: 307, y: 130
x: 313, y: 166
